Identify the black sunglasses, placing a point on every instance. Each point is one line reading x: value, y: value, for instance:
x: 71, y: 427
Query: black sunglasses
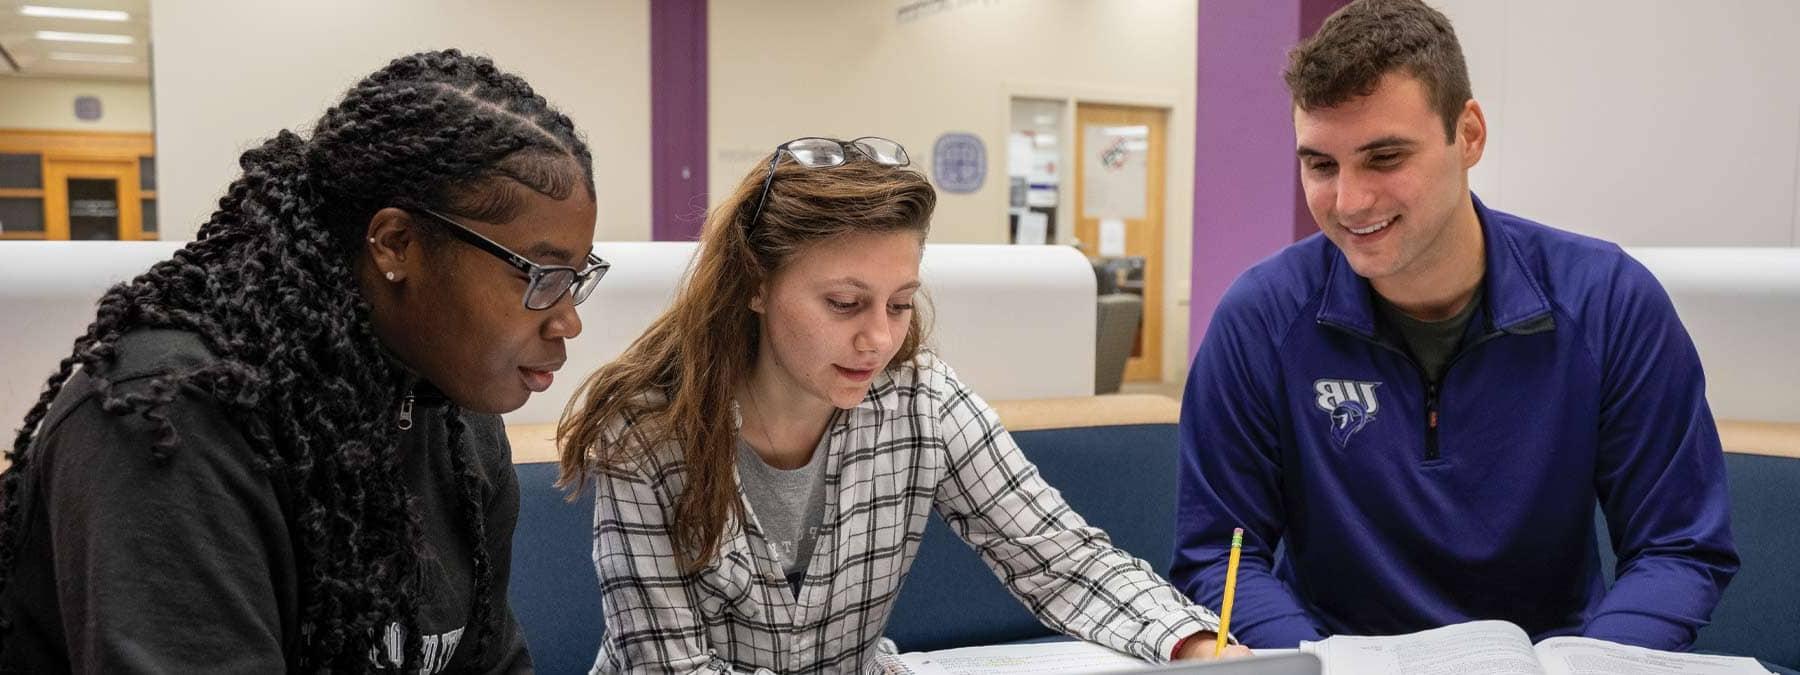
x: 818, y: 153
x: 547, y: 283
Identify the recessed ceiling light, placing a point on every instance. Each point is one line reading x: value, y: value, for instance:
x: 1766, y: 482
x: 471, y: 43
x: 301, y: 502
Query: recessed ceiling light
x: 77, y: 57
x: 95, y: 38
x: 69, y: 13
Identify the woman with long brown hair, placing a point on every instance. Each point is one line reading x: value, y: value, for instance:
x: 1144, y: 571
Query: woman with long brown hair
x: 767, y: 454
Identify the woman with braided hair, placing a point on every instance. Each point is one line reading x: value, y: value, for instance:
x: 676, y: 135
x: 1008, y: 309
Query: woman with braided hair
x: 279, y: 450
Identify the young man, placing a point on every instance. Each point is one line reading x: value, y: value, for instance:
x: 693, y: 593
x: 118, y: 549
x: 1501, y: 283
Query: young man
x: 1425, y: 403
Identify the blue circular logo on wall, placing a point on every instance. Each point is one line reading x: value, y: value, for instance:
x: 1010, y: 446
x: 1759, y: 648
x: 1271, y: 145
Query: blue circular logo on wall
x: 959, y: 162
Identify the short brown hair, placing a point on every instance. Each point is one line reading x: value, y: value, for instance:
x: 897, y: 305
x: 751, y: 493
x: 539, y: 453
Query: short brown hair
x: 1371, y: 38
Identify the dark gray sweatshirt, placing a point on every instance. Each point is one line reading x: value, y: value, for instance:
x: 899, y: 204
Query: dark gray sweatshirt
x: 188, y: 566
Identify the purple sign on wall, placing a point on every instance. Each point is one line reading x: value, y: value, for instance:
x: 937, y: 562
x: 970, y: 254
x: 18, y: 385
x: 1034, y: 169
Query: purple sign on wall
x: 959, y: 162
x: 87, y: 108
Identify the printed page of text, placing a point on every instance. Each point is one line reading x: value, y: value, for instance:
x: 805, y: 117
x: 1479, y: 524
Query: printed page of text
x: 1585, y: 656
x: 1475, y: 648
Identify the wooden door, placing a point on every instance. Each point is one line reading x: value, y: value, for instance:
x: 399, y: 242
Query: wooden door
x: 92, y: 200
x: 1119, y: 172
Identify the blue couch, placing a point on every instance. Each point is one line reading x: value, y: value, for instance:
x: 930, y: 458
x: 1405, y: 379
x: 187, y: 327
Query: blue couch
x: 1121, y: 477
x: 1760, y: 613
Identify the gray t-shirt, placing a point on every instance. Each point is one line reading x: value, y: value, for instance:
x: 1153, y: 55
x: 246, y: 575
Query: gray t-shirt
x: 789, y: 504
x: 1432, y: 343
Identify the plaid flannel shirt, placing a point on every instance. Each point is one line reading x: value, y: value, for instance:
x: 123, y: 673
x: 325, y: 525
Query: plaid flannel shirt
x: 920, y: 440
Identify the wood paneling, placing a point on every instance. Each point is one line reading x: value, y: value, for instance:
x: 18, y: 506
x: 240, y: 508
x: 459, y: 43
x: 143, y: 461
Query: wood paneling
x: 82, y: 154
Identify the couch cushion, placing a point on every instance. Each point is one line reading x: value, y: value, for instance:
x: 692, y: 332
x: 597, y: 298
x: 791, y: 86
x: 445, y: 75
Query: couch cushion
x: 1120, y: 478
x: 1759, y: 614
x: 554, y: 592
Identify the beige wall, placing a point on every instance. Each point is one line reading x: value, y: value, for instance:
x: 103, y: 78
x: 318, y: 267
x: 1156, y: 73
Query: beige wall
x: 785, y: 68
x: 230, y: 74
x: 1644, y: 122
x: 777, y: 69
x: 34, y: 103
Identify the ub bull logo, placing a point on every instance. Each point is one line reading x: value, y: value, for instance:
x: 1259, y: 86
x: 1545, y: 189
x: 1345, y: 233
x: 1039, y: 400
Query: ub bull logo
x: 1351, y: 404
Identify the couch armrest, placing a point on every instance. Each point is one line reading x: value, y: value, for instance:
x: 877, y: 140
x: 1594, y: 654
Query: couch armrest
x: 537, y: 442
x: 1773, y: 439
x: 1087, y: 411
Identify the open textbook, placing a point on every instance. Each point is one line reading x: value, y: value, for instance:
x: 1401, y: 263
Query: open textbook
x: 1501, y: 648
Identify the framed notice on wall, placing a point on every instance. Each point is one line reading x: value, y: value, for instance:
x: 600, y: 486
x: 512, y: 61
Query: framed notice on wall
x: 1114, y: 175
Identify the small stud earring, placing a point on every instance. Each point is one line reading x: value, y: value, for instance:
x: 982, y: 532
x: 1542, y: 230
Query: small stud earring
x: 371, y: 240
x: 390, y: 276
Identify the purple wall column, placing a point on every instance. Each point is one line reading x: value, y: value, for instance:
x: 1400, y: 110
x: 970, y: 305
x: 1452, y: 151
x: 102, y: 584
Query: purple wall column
x: 677, y: 119
x: 1247, y: 200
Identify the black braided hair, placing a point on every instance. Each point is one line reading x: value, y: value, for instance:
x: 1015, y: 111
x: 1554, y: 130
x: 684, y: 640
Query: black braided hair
x: 269, y: 286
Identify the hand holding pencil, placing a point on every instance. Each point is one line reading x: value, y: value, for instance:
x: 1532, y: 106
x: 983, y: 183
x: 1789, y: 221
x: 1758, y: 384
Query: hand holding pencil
x: 1213, y: 646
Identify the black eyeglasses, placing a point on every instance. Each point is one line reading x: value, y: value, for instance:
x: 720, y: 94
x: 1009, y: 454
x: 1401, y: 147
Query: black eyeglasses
x: 547, y: 283
x: 819, y: 153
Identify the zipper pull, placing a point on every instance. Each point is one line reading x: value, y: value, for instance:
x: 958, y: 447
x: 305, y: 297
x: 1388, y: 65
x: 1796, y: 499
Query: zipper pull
x: 1431, y: 405
x: 406, y: 406
x: 1431, y: 421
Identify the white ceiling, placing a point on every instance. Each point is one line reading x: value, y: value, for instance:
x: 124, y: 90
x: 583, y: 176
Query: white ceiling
x: 33, y: 57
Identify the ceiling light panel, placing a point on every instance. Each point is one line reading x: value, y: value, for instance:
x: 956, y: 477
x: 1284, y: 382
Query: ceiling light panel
x: 71, y: 13
x: 91, y: 38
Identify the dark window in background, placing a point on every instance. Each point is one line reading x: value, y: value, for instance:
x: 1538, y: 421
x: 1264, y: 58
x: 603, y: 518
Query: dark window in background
x: 149, y: 227
x: 21, y: 171
x: 147, y: 183
x: 21, y: 214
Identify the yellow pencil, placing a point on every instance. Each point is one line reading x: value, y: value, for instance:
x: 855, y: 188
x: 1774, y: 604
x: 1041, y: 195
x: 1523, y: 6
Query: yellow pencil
x: 1237, y: 550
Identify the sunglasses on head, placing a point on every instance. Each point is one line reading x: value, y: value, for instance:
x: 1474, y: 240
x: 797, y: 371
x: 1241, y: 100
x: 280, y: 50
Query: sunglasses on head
x: 817, y: 153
